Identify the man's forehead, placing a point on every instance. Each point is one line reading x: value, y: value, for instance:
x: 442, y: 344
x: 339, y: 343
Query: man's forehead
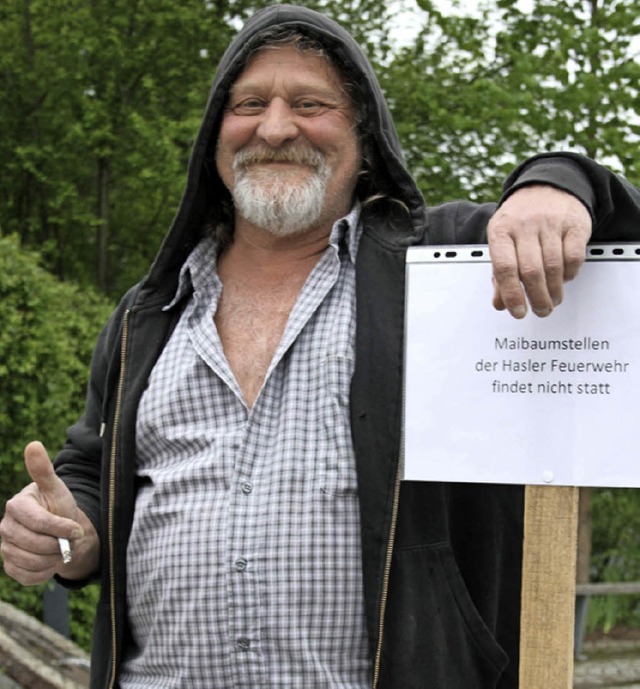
x: 280, y: 59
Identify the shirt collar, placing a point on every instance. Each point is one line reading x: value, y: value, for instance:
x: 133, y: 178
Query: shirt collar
x: 200, y: 265
x: 346, y: 232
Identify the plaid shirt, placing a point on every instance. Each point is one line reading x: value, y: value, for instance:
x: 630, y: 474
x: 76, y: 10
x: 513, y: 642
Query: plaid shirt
x: 244, y: 562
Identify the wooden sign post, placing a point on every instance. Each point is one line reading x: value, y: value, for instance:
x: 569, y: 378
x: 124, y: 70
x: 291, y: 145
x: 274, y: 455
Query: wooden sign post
x: 548, y: 587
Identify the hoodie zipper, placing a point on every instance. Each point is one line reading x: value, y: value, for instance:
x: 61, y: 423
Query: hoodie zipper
x: 112, y: 496
x: 387, y: 567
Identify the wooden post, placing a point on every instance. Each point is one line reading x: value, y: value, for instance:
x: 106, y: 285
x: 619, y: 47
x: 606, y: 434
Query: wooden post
x: 548, y: 587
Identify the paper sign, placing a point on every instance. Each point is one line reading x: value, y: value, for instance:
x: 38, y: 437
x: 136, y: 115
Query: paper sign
x: 551, y: 400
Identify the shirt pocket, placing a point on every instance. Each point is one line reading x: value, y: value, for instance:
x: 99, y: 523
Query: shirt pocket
x: 336, y: 465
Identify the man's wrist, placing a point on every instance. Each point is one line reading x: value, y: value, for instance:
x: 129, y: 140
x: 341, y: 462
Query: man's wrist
x: 557, y: 171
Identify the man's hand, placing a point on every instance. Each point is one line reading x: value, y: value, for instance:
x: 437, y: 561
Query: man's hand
x: 35, y: 518
x: 537, y: 241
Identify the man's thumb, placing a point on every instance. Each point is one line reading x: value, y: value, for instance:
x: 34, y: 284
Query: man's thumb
x: 41, y: 471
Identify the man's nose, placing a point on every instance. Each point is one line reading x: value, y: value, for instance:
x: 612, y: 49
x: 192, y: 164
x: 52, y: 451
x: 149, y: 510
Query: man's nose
x: 277, y: 123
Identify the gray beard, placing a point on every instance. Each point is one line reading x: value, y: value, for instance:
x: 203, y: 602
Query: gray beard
x: 278, y: 203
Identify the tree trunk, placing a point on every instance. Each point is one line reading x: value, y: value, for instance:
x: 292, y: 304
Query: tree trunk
x: 102, y: 238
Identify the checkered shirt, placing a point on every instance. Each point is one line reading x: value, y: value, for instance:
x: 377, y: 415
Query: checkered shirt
x: 244, y: 562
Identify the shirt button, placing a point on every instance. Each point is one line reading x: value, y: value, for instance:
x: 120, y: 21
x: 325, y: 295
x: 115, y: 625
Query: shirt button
x: 241, y: 564
x: 246, y: 487
x: 243, y: 644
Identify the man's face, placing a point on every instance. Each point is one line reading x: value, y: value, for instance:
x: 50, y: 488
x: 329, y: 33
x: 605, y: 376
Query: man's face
x: 288, y: 150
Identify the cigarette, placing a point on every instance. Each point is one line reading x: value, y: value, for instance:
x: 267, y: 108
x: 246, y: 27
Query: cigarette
x: 65, y: 550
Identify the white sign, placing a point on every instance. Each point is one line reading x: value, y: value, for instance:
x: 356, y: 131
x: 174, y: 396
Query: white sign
x: 551, y: 400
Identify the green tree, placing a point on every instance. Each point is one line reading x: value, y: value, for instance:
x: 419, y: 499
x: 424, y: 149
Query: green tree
x: 457, y: 119
x: 48, y: 331
x: 475, y: 94
x: 101, y: 101
x: 616, y: 555
x: 583, y: 55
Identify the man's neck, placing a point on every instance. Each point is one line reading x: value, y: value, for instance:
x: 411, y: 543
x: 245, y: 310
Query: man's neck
x: 260, y: 252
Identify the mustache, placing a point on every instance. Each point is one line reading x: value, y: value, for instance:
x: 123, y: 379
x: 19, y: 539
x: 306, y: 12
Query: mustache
x: 265, y: 154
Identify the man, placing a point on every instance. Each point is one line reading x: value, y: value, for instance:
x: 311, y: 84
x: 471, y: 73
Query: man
x: 235, y: 479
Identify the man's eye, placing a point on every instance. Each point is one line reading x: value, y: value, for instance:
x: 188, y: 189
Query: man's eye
x: 308, y: 108
x: 249, y: 106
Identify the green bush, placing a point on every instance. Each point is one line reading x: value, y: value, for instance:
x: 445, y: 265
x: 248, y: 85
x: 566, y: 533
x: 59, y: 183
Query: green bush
x: 47, y: 332
x: 615, y: 556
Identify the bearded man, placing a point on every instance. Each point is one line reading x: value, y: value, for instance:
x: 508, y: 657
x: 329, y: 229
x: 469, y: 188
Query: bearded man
x: 235, y: 480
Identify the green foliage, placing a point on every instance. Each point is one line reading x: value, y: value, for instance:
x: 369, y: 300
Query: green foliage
x: 366, y: 20
x: 456, y: 118
x: 475, y: 94
x: 48, y: 330
x: 585, y: 75
x: 615, y: 556
x: 82, y: 609
x: 100, y: 102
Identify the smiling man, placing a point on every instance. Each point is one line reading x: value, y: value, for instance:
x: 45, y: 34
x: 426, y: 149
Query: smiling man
x: 288, y: 147
x: 235, y: 480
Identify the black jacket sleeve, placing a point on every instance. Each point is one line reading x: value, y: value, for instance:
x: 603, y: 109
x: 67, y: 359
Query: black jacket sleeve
x: 614, y: 203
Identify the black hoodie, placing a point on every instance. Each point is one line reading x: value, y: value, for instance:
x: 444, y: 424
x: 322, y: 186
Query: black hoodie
x: 204, y: 188
x: 441, y: 563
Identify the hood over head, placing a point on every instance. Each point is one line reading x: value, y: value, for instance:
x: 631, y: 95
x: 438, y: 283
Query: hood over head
x: 205, y: 194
